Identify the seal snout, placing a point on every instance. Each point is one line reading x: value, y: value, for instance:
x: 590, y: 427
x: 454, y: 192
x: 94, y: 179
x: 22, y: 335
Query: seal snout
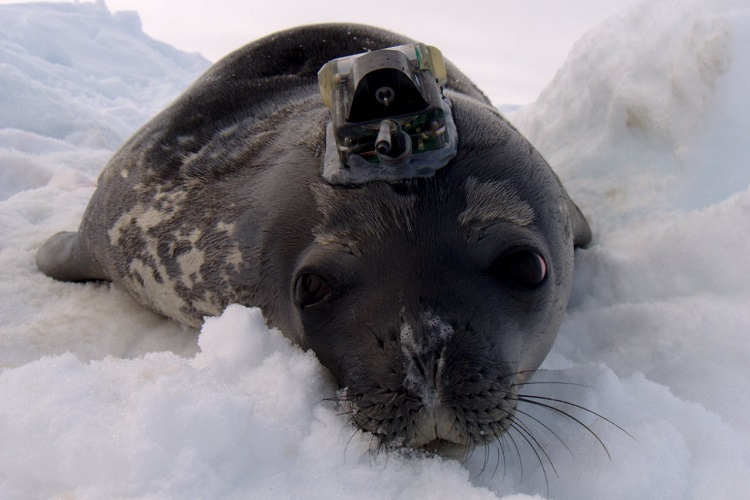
x: 442, y: 395
x: 424, y: 366
x: 424, y: 359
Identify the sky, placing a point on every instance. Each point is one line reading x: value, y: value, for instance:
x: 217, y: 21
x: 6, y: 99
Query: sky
x: 514, y: 52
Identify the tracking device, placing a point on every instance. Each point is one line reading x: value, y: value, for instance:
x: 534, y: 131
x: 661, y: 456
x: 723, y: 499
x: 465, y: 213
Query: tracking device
x: 389, y: 118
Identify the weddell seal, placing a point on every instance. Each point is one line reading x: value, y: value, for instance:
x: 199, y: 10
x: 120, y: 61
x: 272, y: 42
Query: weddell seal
x: 381, y: 213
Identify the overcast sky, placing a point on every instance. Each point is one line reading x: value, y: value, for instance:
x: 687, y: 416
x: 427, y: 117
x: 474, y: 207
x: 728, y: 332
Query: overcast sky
x: 510, y: 48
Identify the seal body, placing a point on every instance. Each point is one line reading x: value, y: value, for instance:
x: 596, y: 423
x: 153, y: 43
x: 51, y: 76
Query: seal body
x: 431, y: 300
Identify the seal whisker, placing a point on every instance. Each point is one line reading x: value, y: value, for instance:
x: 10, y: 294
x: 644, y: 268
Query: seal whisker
x: 557, y: 382
x: 502, y: 450
x: 518, y: 454
x: 517, y: 374
x: 519, y: 430
x: 571, y: 417
x: 468, y: 451
x: 468, y: 447
x: 497, y: 456
x: 375, y: 449
x: 583, y: 408
x: 526, y: 414
x: 521, y: 427
x: 485, y: 461
x: 335, y: 399
x: 348, y: 441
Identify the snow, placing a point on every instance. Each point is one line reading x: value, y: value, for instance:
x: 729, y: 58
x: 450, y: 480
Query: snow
x: 647, y: 125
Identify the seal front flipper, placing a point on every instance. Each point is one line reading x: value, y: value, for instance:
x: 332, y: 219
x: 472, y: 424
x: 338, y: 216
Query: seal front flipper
x: 580, y: 226
x: 63, y: 258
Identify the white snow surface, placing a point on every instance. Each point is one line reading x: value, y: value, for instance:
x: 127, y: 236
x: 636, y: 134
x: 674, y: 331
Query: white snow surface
x: 647, y: 124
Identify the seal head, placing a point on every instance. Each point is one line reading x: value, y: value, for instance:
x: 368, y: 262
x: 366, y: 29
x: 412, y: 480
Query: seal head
x: 433, y: 299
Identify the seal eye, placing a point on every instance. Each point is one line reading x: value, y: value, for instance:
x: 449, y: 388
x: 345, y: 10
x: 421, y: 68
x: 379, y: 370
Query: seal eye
x: 524, y: 268
x: 310, y: 290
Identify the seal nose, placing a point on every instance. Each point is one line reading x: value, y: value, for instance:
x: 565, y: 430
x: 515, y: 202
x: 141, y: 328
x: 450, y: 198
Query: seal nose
x: 425, y: 351
x: 427, y: 366
x: 423, y: 347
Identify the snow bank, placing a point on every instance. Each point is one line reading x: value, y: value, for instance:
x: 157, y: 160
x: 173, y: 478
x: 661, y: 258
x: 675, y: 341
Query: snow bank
x: 83, y: 75
x: 647, y: 125
x: 241, y: 418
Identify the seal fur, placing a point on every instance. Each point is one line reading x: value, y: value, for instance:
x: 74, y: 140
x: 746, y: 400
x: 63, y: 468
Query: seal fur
x: 219, y: 200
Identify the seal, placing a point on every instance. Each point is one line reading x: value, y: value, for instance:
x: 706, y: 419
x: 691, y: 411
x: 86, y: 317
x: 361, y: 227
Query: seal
x: 430, y: 299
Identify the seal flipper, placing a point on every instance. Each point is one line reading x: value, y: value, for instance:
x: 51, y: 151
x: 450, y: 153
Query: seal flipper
x: 63, y: 258
x: 579, y: 225
x: 581, y: 230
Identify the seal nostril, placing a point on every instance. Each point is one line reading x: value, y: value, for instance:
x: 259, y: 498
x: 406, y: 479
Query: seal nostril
x: 428, y: 369
x: 420, y: 366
